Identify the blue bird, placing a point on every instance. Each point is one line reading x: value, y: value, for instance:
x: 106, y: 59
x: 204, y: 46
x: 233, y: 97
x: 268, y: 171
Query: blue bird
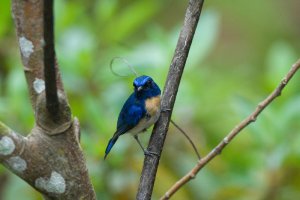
x: 140, y: 111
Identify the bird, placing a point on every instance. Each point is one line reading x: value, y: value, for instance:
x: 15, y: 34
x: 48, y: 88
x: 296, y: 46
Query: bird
x: 139, y: 112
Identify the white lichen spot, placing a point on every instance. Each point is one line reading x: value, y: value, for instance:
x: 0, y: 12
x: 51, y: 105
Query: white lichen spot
x: 42, y: 41
x: 17, y: 164
x: 39, y: 85
x: 56, y: 184
x: 26, y: 47
x: 7, y: 146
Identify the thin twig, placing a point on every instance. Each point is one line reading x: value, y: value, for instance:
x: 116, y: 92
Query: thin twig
x: 49, y: 59
x: 188, y: 138
x: 169, y: 95
x: 217, y: 150
x: 126, y: 62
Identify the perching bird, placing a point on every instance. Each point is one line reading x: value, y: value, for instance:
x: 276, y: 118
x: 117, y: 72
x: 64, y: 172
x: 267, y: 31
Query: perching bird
x: 140, y: 111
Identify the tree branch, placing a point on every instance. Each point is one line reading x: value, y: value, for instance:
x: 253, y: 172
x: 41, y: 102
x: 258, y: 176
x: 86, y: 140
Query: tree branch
x: 50, y: 158
x: 54, y: 165
x: 29, y: 21
x: 169, y: 95
x: 52, y: 102
x: 234, y: 132
x: 36, y: 41
x: 10, y: 142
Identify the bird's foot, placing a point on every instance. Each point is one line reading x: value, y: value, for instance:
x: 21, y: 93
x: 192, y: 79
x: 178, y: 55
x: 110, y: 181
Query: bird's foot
x: 150, y: 153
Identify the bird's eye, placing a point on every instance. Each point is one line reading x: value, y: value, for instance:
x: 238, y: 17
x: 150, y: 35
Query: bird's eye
x: 148, y: 84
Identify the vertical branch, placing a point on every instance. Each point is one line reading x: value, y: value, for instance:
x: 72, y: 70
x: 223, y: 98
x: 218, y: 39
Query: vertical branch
x: 49, y: 58
x: 35, y: 36
x: 29, y: 27
x: 34, y: 24
x: 169, y: 95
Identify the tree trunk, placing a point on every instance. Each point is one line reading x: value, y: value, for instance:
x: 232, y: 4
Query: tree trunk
x: 50, y: 158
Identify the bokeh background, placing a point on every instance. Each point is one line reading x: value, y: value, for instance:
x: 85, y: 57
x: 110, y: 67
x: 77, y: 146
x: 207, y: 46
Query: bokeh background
x: 241, y: 51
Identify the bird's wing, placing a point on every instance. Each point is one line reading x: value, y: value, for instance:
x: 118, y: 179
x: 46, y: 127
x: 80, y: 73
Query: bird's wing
x: 132, y: 112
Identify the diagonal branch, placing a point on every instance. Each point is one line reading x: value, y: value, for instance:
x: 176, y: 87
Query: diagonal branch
x: 9, y: 142
x: 52, y: 102
x: 234, y: 132
x: 169, y: 95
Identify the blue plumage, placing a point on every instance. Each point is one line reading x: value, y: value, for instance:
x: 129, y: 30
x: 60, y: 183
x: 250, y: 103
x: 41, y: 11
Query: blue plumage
x: 139, y: 112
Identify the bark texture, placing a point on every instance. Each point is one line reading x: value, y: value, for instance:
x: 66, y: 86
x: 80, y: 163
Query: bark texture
x: 50, y: 158
x: 169, y: 95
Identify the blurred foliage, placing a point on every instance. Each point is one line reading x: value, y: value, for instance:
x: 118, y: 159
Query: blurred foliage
x: 241, y: 51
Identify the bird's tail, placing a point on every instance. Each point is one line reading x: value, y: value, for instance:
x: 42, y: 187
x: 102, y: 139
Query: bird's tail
x: 111, y: 143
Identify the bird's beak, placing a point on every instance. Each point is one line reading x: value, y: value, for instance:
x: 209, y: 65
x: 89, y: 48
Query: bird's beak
x: 139, y: 88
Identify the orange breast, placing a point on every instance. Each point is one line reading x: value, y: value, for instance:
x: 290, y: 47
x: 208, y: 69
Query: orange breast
x: 153, y: 105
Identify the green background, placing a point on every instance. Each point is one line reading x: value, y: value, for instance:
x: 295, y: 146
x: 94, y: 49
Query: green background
x: 241, y: 51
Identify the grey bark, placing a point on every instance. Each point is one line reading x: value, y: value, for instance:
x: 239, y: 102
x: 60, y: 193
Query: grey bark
x: 169, y: 96
x: 49, y: 158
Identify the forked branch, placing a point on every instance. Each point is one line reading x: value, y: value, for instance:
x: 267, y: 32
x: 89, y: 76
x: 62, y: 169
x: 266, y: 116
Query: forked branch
x: 50, y: 158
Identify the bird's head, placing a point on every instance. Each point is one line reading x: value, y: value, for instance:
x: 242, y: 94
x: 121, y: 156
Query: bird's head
x: 145, y: 87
